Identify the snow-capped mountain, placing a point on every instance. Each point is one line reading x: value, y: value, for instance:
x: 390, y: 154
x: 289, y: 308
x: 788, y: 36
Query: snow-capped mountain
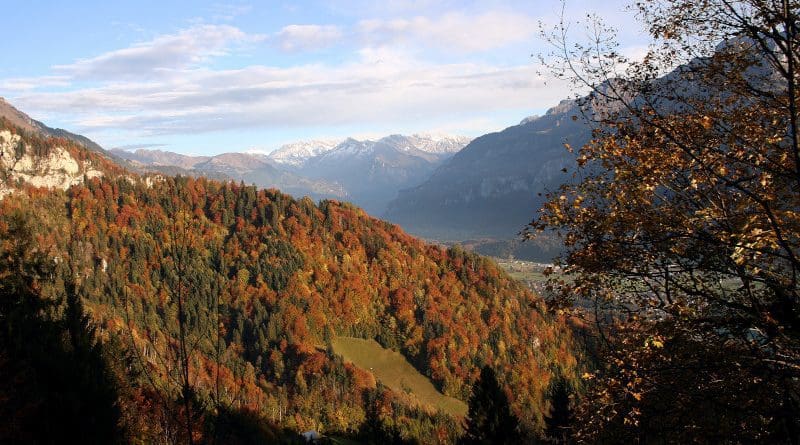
x: 369, y: 173
x: 297, y: 153
x: 374, y: 171
x: 439, y: 143
x: 348, y: 147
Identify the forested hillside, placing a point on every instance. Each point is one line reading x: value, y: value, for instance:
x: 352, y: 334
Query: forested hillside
x: 174, y: 309
x: 234, y: 294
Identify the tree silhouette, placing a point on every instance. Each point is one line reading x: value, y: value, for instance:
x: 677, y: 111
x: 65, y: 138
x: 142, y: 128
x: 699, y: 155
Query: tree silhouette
x: 57, y: 384
x: 489, y: 420
x: 559, y: 421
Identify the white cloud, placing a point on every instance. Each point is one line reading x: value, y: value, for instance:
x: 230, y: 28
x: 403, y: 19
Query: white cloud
x: 307, y: 37
x: 166, y: 87
x: 453, y: 31
x: 184, y: 49
x: 394, y: 90
x: 31, y: 83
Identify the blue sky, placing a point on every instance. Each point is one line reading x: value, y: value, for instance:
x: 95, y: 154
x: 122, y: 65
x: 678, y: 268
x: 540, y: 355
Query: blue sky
x: 206, y: 77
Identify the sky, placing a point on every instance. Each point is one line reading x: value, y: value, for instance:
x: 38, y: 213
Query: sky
x: 207, y: 77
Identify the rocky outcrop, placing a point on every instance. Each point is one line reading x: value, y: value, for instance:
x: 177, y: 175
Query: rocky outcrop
x: 20, y: 165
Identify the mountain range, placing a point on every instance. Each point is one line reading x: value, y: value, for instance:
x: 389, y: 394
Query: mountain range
x: 369, y: 173
x: 447, y: 188
x: 273, y: 279
x: 494, y: 186
x: 373, y: 172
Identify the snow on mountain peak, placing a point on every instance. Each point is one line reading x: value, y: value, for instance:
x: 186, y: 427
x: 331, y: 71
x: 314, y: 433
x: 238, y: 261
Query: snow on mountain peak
x: 439, y: 143
x: 529, y: 119
x: 297, y: 153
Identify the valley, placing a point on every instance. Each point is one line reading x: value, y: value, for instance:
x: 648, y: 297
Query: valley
x: 333, y: 222
x: 443, y: 188
x: 278, y: 276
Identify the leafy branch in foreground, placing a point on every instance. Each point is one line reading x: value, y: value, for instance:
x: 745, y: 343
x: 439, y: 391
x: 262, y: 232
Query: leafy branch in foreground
x: 682, y: 226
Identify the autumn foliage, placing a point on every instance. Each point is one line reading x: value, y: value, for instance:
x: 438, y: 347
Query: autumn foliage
x: 682, y: 225
x: 257, y: 283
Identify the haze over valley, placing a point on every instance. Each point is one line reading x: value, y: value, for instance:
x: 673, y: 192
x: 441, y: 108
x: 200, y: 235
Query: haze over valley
x: 403, y: 222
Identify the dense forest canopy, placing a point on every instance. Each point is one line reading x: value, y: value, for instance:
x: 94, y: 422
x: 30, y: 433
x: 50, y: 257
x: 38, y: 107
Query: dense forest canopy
x: 154, y: 309
x: 225, y: 296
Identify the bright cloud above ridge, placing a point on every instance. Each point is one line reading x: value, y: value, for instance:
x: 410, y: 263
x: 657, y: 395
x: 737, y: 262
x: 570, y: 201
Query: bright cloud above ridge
x: 410, y: 73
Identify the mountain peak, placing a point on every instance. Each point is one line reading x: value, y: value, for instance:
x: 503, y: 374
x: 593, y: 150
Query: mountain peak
x: 19, y: 118
x: 439, y: 143
x: 27, y: 123
x: 297, y: 153
x: 529, y: 119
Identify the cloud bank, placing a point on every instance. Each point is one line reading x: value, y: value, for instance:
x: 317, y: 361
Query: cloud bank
x: 386, y: 71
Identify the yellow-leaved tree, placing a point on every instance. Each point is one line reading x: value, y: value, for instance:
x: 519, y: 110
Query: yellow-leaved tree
x: 682, y: 226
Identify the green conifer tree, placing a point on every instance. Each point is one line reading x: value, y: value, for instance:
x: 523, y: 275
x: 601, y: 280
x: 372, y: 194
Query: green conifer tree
x: 559, y: 421
x: 489, y: 420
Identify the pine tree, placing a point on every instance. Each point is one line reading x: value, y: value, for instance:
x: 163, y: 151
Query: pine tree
x: 559, y: 421
x: 489, y: 420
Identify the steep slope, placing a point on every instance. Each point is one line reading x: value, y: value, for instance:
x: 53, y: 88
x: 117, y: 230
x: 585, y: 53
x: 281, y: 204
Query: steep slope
x: 287, y: 276
x: 298, y: 273
x: 23, y: 121
x: 19, y: 119
x: 491, y: 187
x: 31, y: 159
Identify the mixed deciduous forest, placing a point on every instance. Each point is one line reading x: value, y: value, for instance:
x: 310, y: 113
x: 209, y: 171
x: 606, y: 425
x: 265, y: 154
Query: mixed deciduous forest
x: 153, y: 309
x: 224, y: 298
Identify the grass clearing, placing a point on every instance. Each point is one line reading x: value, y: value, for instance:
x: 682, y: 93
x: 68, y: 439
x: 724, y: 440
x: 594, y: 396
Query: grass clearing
x: 393, y: 370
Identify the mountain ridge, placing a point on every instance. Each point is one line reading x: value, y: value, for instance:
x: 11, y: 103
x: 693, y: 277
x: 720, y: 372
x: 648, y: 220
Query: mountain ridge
x: 297, y: 154
x: 367, y: 172
x: 289, y: 274
x: 27, y: 123
x: 491, y: 187
x: 373, y: 172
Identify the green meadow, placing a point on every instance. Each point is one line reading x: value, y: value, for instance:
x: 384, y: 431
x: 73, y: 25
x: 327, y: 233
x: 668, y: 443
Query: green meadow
x: 393, y: 370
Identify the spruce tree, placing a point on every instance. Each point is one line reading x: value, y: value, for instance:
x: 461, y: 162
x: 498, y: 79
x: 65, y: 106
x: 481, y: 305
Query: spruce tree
x: 559, y: 421
x: 489, y: 420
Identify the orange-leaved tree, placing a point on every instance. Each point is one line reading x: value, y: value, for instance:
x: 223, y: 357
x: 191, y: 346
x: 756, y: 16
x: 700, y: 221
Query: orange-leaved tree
x: 682, y: 227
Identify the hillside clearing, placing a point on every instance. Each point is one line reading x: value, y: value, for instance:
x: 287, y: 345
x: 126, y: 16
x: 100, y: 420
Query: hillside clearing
x: 393, y: 370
